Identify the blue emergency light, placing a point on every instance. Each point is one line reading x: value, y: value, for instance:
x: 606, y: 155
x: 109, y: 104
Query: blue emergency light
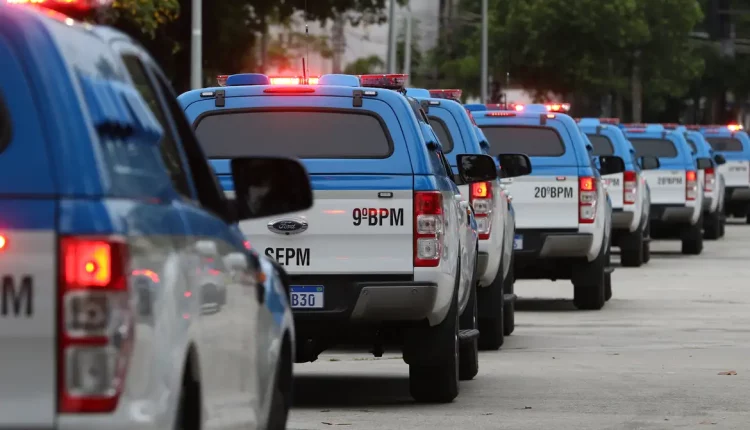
x: 241, y: 79
x: 339, y: 80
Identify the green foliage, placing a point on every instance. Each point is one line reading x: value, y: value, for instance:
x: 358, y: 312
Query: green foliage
x: 365, y: 65
x: 146, y: 15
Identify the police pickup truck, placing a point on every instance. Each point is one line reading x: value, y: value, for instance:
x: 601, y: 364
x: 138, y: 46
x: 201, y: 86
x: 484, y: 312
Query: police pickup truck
x: 456, y: 130
x: 381, y: 258
x: 711, y: 180
x: 676, y: 199
x: 109, y: 207
x: 563, y: 212
x: 734, y: 144
x: 631, y: 201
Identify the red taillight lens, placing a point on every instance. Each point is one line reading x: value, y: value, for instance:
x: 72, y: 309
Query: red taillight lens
x: 482, y: 200
x: 586, y: 199
x: 96, y: 323
x: 630, y: 187
x: 500, y: 113
x: 691, y: 185
x: 709, y: 179
x: 428, y: 228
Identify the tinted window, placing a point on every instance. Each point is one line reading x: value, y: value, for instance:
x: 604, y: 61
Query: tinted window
x: 442, y: 133
x: 602, y: 145
x: 661, y: 148
x: 532, y: 141
x: 727, y: 144
x: 693, y: 146
x: 169, y: 151
x: 302, y: 134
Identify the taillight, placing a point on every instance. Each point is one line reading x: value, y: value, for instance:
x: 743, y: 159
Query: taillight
x: 483, y: 202
x: 428, y: 228
x: 709, y: 179
x: 691, y: 185
x: 586, y: 199
x: 630, y: 187
x: 95, y: 323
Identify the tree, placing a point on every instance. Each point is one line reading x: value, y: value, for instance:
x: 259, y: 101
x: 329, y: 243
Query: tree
x: 365, y: 65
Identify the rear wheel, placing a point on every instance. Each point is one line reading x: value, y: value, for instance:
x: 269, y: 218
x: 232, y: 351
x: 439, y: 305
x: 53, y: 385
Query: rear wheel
x: 692, y: 241
x: 631, y: 249
x: 189, y: 405
x: 468, y: 350
x: 435, y: 379
x: 589, y: 283
x: 509, y: 308
x: 491, y: 326
x: 712, y: 226
x: 647, y: 242
x: 282, y: 391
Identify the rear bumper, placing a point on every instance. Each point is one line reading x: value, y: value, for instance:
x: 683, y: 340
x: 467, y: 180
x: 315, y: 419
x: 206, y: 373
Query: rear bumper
x: 369, y: 298
x: 554, y: 244
x: 738, y: 194
x: 674, y: 214
x: 621, y: 219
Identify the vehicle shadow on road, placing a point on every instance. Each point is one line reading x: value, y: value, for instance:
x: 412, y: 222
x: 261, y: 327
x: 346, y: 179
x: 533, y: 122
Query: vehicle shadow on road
x: 311, y: 391
x: 545, y: 305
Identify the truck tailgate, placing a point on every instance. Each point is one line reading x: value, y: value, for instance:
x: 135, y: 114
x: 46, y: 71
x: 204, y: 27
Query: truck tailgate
x: 736, y: 173
x: 667, y: 186
x: 614, y: 186
x: 350, y: 229
x: 544, y: 201
x: 28, y: 262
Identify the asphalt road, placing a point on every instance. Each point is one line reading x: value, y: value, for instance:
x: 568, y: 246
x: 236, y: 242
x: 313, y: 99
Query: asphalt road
x: 651, y: 359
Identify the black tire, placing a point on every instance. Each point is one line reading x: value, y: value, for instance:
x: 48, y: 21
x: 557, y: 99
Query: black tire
x: 692, y: 241
x: 189, y: 406
x: 747, y: 219
x: 279, y: 409
x: 608, y: 276
x: 590, y: 282
x: 631, y: 249
x: 436, y: 381
x: 712, y: 226
x: 647, y: 243
x: 722, y: 227
x: 468, y: 352
x: 509, y: 306
x: 491, y: 327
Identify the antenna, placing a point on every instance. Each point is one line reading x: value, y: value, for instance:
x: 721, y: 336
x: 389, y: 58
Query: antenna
x: 307, y: 48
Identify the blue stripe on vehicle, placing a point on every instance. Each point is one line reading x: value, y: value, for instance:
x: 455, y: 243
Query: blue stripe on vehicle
x: 18, y: 214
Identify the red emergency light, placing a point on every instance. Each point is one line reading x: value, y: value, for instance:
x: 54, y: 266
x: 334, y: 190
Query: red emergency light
x: 670, y: 125
x: 734, y: 127
x: 293, y: 80
x: 395, y: 81
x: 78, y: 9
x: 446, y: 94
x: 517, y: 108
x: 694, y: 127
x: 613, y: 121
x: 222, y: 80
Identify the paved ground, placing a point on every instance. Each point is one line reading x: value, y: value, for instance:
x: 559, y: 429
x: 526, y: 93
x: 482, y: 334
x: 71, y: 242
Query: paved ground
x: 649, y: 360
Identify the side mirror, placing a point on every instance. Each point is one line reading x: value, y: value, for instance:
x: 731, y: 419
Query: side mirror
x: 267, y: 186
x: 610, y: 164
x: 719, y: 159
x: 476, y: 168
x: 513, y: 165
x: 704, y: 163
x: 649, y: 162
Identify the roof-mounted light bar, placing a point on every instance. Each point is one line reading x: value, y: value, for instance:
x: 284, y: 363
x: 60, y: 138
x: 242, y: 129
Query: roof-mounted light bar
x: 294, y: 80
x: 557, y: 107
x: 612, y: 121
x: 387, y: 81
x: 453, y: 94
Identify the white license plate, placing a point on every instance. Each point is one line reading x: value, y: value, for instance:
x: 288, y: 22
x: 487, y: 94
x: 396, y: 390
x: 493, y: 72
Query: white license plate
x: 518, y: 242
x: 307, y: 296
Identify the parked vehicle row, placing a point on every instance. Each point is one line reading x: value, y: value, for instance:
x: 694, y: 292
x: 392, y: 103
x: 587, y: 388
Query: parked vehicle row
x: 167, y: 259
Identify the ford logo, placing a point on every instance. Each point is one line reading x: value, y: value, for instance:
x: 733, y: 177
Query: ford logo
x: 288, y: 226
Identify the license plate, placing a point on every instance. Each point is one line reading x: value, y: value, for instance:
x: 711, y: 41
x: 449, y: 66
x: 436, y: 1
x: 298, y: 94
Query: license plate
x: 307, y: 296
x: 518, y: 242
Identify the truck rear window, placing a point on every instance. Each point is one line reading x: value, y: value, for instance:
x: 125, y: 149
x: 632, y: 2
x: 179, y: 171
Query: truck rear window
x: 442, y: 133
x: 660, y: 148
x: 532, y: 141
x: 602, y: 145
x: 296, y: 133
x: 726, y: 144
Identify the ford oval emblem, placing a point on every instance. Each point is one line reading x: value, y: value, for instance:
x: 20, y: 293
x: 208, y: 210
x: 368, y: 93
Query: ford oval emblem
x: 288, y: 226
